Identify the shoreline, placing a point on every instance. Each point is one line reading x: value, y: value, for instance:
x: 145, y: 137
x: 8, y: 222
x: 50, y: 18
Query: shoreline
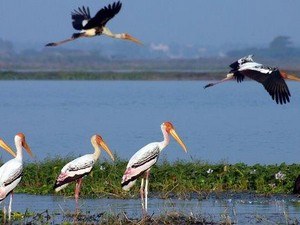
x: 109, y: 75
x: 180, y: 179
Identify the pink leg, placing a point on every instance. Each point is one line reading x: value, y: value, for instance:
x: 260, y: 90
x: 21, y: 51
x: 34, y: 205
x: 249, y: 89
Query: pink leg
x: 146, y: 190
x: 142, y: 195
x: 77, y: 190
x: 9, y: 207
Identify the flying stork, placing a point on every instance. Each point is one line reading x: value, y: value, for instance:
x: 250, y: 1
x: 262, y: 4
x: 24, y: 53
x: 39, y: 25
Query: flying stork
x: 80, y: 167
x: 271, y: 78
x: 11, y: 171
x: 141, y: 162
x: 90, y: 27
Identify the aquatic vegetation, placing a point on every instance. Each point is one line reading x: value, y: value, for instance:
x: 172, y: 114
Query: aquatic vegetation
x: 84, y: 218
x: 8, y: 75
x: 183, y: 179
x: 168, y: 217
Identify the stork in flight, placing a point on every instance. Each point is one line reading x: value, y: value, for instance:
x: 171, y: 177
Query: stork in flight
x: 80, y: 167
x: 90, y: 27
x: 142, y: 161
x: 11, y: 171
x: 272, y: 79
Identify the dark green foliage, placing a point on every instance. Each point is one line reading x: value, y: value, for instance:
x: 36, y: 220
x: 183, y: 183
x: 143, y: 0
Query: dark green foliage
x: 9, y: 75
x: 106, y: 218
x: 167, y: 179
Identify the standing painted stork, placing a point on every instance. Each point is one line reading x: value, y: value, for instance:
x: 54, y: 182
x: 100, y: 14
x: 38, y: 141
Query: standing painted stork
x: 11, y: 171
x: 142, y: 161
x: 80, y: 167
x: 90, y: 27
x: 272, y: 79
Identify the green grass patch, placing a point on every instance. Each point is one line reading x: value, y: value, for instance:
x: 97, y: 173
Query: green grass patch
x: 179, y: 178
x: 10, y: 75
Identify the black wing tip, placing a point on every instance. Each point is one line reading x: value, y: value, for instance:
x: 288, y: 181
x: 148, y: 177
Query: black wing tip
x: 56, y: 185
x: 280, y: 98
x: 115, y: 6
x: 83, y: 11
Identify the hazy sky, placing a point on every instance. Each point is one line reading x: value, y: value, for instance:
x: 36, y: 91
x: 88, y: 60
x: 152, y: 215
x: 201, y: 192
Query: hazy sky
x: 203, y: 22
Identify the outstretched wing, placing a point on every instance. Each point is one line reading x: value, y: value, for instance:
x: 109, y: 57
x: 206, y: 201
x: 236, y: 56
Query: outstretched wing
x: 80, y: 17
x: 104, y: 15
x: 273, y: 83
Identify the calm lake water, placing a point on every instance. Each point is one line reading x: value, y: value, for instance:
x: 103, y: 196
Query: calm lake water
x: 230, y: 122
x: 240, y: 208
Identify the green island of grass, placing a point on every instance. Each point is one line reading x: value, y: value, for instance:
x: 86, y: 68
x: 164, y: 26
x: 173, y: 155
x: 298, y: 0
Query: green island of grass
x: 177, y: 179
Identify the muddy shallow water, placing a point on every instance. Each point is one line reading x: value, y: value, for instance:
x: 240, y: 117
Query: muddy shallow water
x: 239, y: 208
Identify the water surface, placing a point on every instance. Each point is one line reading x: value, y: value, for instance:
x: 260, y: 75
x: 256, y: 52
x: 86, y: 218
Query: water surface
x: 231, y: 122
x: 240, y: 208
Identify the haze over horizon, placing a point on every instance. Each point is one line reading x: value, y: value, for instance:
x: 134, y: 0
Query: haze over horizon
x: 203, y: 23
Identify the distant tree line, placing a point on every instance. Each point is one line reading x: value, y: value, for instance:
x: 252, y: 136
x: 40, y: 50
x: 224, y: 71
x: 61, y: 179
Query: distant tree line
x: 127, y: 57
x: 280, y: 47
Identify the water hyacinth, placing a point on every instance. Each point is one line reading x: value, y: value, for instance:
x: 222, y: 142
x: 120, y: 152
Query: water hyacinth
x: 209, y: 171
x: 177, y: 178
x: 279, y: 176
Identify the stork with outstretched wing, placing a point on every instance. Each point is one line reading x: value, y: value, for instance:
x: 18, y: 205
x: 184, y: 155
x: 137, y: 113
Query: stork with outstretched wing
x: 271, y: 78
x: 91, y: 27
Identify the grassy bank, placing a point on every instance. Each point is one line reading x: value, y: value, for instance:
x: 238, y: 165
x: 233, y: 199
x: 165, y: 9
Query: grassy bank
x: 154, y: 75
x: 180, y: 179
x: 109, y: 75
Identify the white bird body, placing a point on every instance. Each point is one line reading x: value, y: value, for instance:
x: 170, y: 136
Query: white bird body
x: 89, y: 32
x: 272, y: 79
x: 10, y: 176
x: 142, y: 161
x: 11, y: 171
x: 95, y: 26
x: 250, y: 65
x: 81, y: 166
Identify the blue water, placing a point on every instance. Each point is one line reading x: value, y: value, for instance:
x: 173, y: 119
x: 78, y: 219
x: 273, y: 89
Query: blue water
x: 230, y: 122
x: 239, y: 208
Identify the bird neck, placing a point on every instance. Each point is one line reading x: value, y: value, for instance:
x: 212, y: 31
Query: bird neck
x: 19, y: 155
x: 166, y: 140
x: 97, y: 151
x: 107, y: 32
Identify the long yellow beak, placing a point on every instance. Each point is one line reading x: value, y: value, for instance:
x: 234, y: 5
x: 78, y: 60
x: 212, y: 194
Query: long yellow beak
x: 292, y: 77
x: 177, y: 138
x: 106, y: 148
x: 7, y: 148
x: 133, y: 39
x: 27, y: 148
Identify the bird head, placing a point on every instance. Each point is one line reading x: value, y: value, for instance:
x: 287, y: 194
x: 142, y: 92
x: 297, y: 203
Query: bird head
x: 289, y: 76
x: 169, y: 128
x: 128, y: 37
x: 103, y: 145
x: 20, y: 139
x: 7, y: 148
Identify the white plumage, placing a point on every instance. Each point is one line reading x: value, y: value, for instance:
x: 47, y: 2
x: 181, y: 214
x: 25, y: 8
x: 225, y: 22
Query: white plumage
x: 11, y: 171
x: 80, y: 167
x: 271, y: 78
x: 142, y: 161
x: 10, y: 176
